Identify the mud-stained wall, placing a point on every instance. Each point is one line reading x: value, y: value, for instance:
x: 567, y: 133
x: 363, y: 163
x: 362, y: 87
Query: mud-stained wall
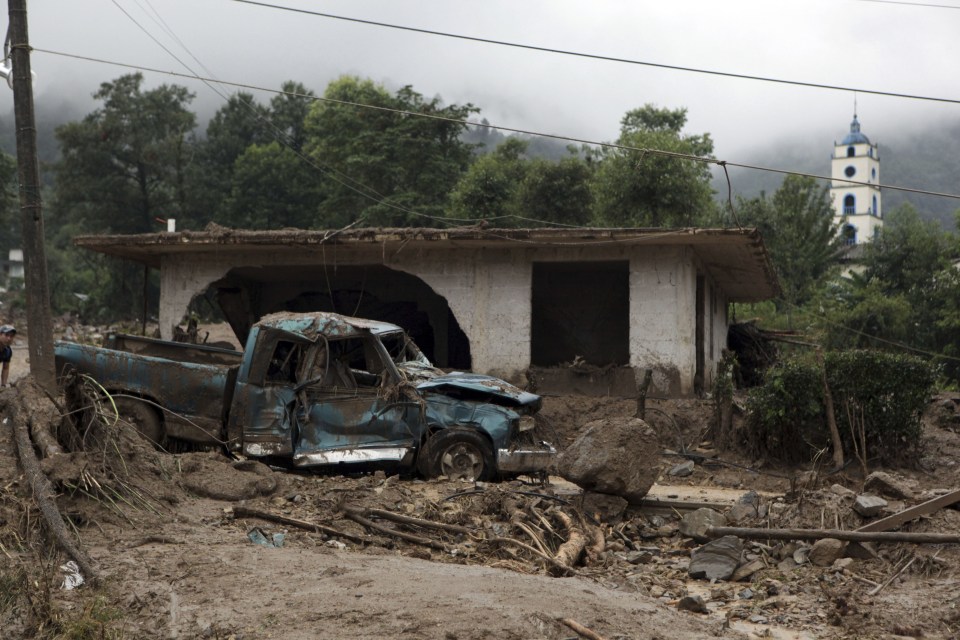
x: 662, y: 317
x: 489, y: 293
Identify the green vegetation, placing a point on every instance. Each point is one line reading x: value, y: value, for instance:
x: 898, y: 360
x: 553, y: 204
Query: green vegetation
x: 878, y: 398
x: 299, y: 161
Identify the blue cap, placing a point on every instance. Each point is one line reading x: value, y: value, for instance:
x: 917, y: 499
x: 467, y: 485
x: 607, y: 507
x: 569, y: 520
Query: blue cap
x: 7, y: 328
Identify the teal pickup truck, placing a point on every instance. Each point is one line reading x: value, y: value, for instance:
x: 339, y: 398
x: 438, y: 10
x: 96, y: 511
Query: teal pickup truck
x: 316, y: 390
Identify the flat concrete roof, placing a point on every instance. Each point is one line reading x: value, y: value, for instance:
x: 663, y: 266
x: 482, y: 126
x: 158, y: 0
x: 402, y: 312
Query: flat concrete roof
x: 735, y: 258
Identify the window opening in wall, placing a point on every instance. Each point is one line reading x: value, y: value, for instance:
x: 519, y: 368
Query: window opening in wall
x: 580, y: 309
x: 849, y: 204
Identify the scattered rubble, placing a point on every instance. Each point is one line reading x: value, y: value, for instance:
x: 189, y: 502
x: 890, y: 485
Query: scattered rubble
x: 196, y: 529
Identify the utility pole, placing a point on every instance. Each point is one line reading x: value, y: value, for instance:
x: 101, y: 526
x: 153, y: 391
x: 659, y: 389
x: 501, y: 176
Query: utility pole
x: 39, y: 321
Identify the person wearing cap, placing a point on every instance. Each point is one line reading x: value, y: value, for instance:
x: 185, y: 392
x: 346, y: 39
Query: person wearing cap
x: 7, y: 332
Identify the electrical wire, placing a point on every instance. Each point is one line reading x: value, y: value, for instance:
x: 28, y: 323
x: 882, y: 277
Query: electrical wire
x: 591, y: 56
x: 608, y: 145
x: 913, y: 4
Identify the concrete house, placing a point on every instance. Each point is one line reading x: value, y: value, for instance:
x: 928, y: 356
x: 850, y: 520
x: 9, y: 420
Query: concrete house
x: 581, y: 308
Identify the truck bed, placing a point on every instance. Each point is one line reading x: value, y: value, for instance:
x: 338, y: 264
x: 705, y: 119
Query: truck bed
x: 192, y: 383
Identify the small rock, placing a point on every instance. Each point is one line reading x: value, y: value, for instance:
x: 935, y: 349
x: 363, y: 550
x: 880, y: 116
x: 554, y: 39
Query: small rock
x: 745, y: 571
x: 841, y: 563
x: 750, y: 497
x: 868, y: 505
x: 639, y: 557
x: 695, y: 524
x: 887, y: 485
x: 746, y: 594
x: 682, y: 470
x: 605, y: 507
x: 842, y: 491
x: 826, y: 551
x: 787, y: 564
x: 741, y: 513
x: 693, y: 603
x: 716, y: 560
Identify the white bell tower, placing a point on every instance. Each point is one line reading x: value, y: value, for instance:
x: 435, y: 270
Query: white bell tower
x: 856, y: 205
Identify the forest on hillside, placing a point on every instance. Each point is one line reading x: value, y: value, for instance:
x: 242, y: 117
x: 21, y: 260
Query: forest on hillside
x: 361, y: 155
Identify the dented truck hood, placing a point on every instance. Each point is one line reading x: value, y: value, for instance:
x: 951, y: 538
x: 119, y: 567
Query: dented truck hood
x: 478, y: 386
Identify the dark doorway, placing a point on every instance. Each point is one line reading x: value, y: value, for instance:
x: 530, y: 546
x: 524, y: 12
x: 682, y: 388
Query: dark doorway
x: 698, y: 376
x: 580, y: 309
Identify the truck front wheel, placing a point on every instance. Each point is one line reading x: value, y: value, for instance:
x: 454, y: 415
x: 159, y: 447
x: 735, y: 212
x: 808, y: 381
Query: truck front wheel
x: 143, y: 418
x: 458, y: 454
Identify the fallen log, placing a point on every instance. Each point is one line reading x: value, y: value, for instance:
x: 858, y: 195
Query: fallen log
x: 43, y: 493
x: 417, y: 522
x: 357, y: 516
x: 569, y: 552
x: 245, y: 512
x: 836, y: 534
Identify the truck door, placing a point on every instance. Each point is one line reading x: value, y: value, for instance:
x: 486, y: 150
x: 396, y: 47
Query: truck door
x: 349, y: 408
x: 264, y: 394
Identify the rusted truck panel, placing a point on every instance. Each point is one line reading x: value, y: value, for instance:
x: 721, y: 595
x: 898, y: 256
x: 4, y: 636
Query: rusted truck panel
x: 324, y: 389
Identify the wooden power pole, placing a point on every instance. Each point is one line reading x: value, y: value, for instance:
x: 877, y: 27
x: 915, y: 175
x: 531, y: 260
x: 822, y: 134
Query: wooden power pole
x: 39, y: 321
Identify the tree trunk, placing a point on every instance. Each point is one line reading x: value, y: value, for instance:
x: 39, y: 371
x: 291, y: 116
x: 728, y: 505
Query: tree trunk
x: 831, y: 415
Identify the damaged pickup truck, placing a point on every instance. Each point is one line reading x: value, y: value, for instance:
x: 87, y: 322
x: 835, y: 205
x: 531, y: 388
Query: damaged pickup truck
x: 320, y: 389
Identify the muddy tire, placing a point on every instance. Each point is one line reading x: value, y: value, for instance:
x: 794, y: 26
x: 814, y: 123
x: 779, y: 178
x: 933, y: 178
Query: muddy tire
x: 143, y: 418
x: 458, y: 454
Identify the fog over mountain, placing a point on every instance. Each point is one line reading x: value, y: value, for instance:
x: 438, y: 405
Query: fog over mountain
x: 772, y: 82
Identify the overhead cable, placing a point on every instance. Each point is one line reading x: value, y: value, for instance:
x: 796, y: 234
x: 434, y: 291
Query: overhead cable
x: 592, y: 56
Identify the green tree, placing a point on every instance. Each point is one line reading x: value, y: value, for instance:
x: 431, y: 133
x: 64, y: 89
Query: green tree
x: 380, y: 164
x: 906, y: 297
x: 288, y: 114
x: 124, y: 164
x: 640, y: 188
x: 798, y: 230
x: 513, y: 190
x: 273, y: 186
x: 239, y: 123
x: 556, y: 192
x: 489, y: 188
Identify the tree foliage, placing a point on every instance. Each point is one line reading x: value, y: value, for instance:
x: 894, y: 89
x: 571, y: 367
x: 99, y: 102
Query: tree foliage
x: 636, y: 187
x: 798, y: 230
x: 381, y: 165
x: 906, y: 297
x: 882, y: 393
x: 124, y: 164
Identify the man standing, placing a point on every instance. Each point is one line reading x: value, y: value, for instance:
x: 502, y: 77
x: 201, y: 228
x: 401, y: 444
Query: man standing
x: 7, y: 332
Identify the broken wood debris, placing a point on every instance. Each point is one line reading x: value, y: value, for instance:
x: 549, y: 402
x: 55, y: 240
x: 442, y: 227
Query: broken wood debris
x: 836, y: 534
x: 580, y: 629
x: 246, y: 512
x: 912, y: 513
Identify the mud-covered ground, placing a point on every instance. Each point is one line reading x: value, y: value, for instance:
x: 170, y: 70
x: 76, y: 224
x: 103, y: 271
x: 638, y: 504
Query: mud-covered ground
x: 180, y: 556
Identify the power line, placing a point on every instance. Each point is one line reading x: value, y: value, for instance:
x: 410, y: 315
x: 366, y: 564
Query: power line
x: 591, y: 56
x: 914, y: 4
x: 609, y: 145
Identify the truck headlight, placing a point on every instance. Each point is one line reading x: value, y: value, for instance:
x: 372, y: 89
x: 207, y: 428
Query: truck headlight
x: 526, y: 423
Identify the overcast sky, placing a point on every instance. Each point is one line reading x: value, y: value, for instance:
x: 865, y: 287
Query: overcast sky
x: 865, y: 44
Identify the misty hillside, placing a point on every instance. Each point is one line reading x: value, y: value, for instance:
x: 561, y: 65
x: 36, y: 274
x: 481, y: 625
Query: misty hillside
x: 926, y: 160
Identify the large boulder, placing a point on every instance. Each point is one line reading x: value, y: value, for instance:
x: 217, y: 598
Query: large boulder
x: 617, y: 456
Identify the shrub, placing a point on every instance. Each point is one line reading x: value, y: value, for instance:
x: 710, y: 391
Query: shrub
x: 882, y: 393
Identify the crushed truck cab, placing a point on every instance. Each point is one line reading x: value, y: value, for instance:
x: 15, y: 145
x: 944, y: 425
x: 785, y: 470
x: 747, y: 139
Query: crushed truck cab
x: 321, y: 389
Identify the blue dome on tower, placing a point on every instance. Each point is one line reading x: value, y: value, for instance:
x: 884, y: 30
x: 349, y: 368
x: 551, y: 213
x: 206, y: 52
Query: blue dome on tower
x: 855, y: 137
